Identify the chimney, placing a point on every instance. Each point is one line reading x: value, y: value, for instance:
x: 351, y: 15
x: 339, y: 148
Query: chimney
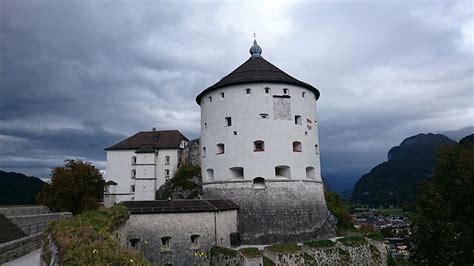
x: 153, y: 129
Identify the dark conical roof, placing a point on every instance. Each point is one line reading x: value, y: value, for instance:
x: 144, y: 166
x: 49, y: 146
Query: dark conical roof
x: 256, y: 69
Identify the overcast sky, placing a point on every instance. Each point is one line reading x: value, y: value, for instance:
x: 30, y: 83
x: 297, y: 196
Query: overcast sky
x: 77, y: 76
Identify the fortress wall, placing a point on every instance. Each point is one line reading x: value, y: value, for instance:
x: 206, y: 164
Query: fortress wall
x: 284, y: 211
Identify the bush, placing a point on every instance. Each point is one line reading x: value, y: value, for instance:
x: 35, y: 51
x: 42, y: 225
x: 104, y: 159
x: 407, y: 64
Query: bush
x: 250, y: 252
x: 337, y: 208
x: 224, y: 251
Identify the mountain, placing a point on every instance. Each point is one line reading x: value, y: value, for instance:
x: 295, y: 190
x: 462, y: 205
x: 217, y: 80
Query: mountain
x: 16, y: 188
x: 395, y: 181
x: 458, y: 134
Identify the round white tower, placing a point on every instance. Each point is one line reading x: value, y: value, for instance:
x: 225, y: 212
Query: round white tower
x: 259, y: 148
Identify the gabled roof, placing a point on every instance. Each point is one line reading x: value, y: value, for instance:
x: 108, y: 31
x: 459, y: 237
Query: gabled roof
x: 178, y: 206
x: 146, y: 140
x: 256, y: 69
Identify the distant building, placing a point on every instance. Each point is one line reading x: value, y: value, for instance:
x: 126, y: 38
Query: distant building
x: 140, y: 164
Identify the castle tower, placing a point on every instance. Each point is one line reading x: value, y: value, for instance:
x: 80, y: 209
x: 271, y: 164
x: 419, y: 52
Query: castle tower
x: 259, y: 149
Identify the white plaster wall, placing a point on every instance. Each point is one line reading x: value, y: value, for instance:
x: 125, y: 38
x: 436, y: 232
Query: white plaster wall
x: 148, y: 166
x: 119, y: 169
x: 278, y: 135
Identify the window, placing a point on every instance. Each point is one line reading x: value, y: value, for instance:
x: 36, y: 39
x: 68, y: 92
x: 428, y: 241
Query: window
x: 134, y: 160
x: 205, y: 125
x: 167, y: 160
x: 167, y: 173
x: 134, y: 242
x: 132, y: 188
x: 297, y: 119
x: 222, y: 95
x: 285, y: 91
x: 166, y: 243
x: 237, y: 172
x: 220, y: 148
x: 282, y: 171
x: 248, y: 91
x: 303, y: 94
x: 316, y: 148
x: 259, y: 145
x: 134, y: 173
x: 310, y: 173
x: 194, y: 241
x: 264, y: 116
x: 259, y: 183
x: 235, y: 133
x: 228, y: 121
x: 267, y: 90
x: 210, y: 98
x: 203, y: 152
x: 210, y: 174
x: 297, y: 146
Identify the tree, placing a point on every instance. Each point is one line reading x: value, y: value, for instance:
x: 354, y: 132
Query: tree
x: 76, y: 187
x: 337, y: 208
x: 443, y: 232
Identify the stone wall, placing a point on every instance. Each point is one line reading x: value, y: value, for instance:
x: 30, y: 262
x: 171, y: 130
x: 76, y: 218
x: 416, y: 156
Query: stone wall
x: 212, y: 228
x: 284, y: 211
x: 191, y: 154
x: 32, y: 224
x: 23, y: 210
x: 19, y: 247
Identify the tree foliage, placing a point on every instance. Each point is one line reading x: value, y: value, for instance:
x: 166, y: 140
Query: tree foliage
x: 76, y: 187
x: 338, y: 209
x: 185, y: 184
x: 443, y: 232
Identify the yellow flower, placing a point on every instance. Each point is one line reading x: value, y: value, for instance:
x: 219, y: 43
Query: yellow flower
x: 95, y: 251
x: 131, y: 260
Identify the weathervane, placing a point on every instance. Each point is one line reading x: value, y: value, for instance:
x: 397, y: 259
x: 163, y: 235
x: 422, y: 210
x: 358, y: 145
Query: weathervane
x: 254, y: 36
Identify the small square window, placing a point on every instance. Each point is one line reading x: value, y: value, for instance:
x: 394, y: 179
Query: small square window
x: 228, y: 121
x: 248, y: 91
x: 220, y: 148
x: 285, y: 91
x: 258, y: 145
x: 222, y: 95
x: 267, y: 90
x: 298, y: 120
x: 167, y: 173
x: 167, y: 160
x: 166, y: 243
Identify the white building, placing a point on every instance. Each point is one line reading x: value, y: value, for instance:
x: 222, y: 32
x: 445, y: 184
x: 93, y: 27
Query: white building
x: 259, y: 149
x: 140, y: 164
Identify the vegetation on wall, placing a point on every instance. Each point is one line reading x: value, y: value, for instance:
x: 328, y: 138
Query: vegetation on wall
x: 185, y: 184
x: 75, y: 187
x: 337, y: 207
x: 443, y: 230
x: 86, y: 239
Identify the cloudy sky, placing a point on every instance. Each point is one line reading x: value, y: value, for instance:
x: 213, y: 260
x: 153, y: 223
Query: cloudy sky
x: 77, y: 76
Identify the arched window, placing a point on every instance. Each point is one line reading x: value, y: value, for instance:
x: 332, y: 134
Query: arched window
x: 282, y: 171
x: 259, y: 183
x: 237, y: 172
x: 310, y: 173
x: 220, y: 148
x: 297, y: 146
x: 210, y: 174
x: 259, y: 145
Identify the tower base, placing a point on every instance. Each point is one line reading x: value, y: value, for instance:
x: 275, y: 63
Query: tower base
x: 283, y: 210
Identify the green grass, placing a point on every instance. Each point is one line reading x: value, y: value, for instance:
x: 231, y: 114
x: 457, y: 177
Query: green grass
x: 353, y: 241
x: 267, y: 262
x: 250, y: 252
x: 284, y: 248
x: 86, y: 239
x: 320, y: 244
x: 224, y: 251
x: 377, y: 235
x: 397, y: 212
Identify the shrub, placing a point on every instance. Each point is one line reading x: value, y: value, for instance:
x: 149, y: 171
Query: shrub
x: 250, y: 252
x: 320, y: 244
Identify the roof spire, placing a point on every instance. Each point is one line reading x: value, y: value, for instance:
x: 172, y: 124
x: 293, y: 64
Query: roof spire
x: 255, y: 50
